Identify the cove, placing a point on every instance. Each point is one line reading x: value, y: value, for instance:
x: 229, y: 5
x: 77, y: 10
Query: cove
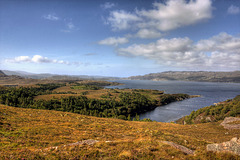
x: 210, y: 93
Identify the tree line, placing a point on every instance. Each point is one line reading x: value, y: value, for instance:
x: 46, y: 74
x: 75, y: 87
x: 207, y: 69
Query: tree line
x: 129, y: 104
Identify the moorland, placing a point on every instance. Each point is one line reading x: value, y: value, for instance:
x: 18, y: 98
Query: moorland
x: 80, y: 119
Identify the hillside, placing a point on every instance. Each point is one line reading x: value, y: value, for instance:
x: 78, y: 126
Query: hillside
x: 2, y: 74
x: 200, y: 76
x: 44, y: 134
x: 12, y: 78
x: 9, y: 79
x: 88, y: 98
x: 214, y: 113
x: 48, y: 76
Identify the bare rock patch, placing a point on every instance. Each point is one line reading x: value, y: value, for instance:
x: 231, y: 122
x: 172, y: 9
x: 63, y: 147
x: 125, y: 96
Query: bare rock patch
x: 228, y: 120
x: 179, y: 147
x: 232, y: 146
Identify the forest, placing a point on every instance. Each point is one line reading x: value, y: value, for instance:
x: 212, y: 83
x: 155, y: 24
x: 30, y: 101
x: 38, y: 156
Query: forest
x: 123, y: 106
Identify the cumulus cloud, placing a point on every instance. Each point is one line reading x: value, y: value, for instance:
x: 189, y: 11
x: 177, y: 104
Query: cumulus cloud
x: 51, y: 17
x: 164, y: 16
x: 35, y: 59
x: 22, y: 59
x: 107, y: 5
x: 120, y: 20
x: 148, y: 33
x: 176, y: 13
x: 114, y: 41
x: 222, y: 42
x: 218, y: 52
x: 233, y: 10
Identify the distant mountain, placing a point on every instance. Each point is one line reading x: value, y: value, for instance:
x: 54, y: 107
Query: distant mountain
x: 28, y: 74
x: 55, y: 76
x: 201, y: 76
x: 79, y: 77
x: 7, y: 78
x: 2, y: 74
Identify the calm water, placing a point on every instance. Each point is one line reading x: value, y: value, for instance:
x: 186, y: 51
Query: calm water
x: 210, y: 93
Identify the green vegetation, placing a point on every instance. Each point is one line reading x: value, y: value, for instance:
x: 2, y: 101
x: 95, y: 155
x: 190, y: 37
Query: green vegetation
x: 87, y: 87
x: 111, y: 103
x: 168, y: 98
x: 215, y: 112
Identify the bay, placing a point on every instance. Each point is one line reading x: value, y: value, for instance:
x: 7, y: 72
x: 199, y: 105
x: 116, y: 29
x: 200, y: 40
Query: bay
x: 210, y: 93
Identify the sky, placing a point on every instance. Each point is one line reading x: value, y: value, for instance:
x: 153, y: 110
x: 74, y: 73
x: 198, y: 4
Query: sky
x: 119, y: 38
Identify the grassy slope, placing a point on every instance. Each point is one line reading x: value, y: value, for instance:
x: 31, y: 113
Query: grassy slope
x: 229, y: 108
x: 96, y: 94
x: 23, y: 132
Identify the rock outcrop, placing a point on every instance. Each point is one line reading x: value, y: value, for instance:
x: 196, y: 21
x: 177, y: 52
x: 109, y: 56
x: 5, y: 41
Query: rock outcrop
x: 232, y: 146
x: 84, y: 142
x: 228, y: 120
x: 180, y: 147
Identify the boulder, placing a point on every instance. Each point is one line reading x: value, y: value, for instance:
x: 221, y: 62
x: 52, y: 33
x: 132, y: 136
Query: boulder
x: 232, y: 146
x: 179, y: 147
x: 228, y: 120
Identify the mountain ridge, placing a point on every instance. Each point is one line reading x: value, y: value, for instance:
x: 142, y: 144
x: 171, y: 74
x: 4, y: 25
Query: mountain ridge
x: 201, y: 76
x: 50, y: 76
x: 2, y: 74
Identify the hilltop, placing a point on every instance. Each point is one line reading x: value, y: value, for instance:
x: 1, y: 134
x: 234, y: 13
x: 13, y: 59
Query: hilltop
x: 200, y: 76
x: 44, y: 134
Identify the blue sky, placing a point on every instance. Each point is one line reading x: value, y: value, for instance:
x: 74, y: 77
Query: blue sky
x: 119, y: 38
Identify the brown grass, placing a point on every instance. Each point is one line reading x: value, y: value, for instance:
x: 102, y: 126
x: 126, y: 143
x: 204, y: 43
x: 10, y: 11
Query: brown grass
x: 25, y: 133
x: 96, y: 94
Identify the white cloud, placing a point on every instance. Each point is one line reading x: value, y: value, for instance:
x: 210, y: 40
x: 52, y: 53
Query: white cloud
x: 120, y: 20
x: 218, y: 52
x: 35, y: 59
x: 164, y: 16
x: 51, y: 17
x: 70, y: 27
x: 222, y: 42
x: 107, y: 5
x: 147, y: 33
x: 233, y: 10
x: 22, y: 59
x: 113, y: 41
x: 177, y: 13
x: 40, y: 59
